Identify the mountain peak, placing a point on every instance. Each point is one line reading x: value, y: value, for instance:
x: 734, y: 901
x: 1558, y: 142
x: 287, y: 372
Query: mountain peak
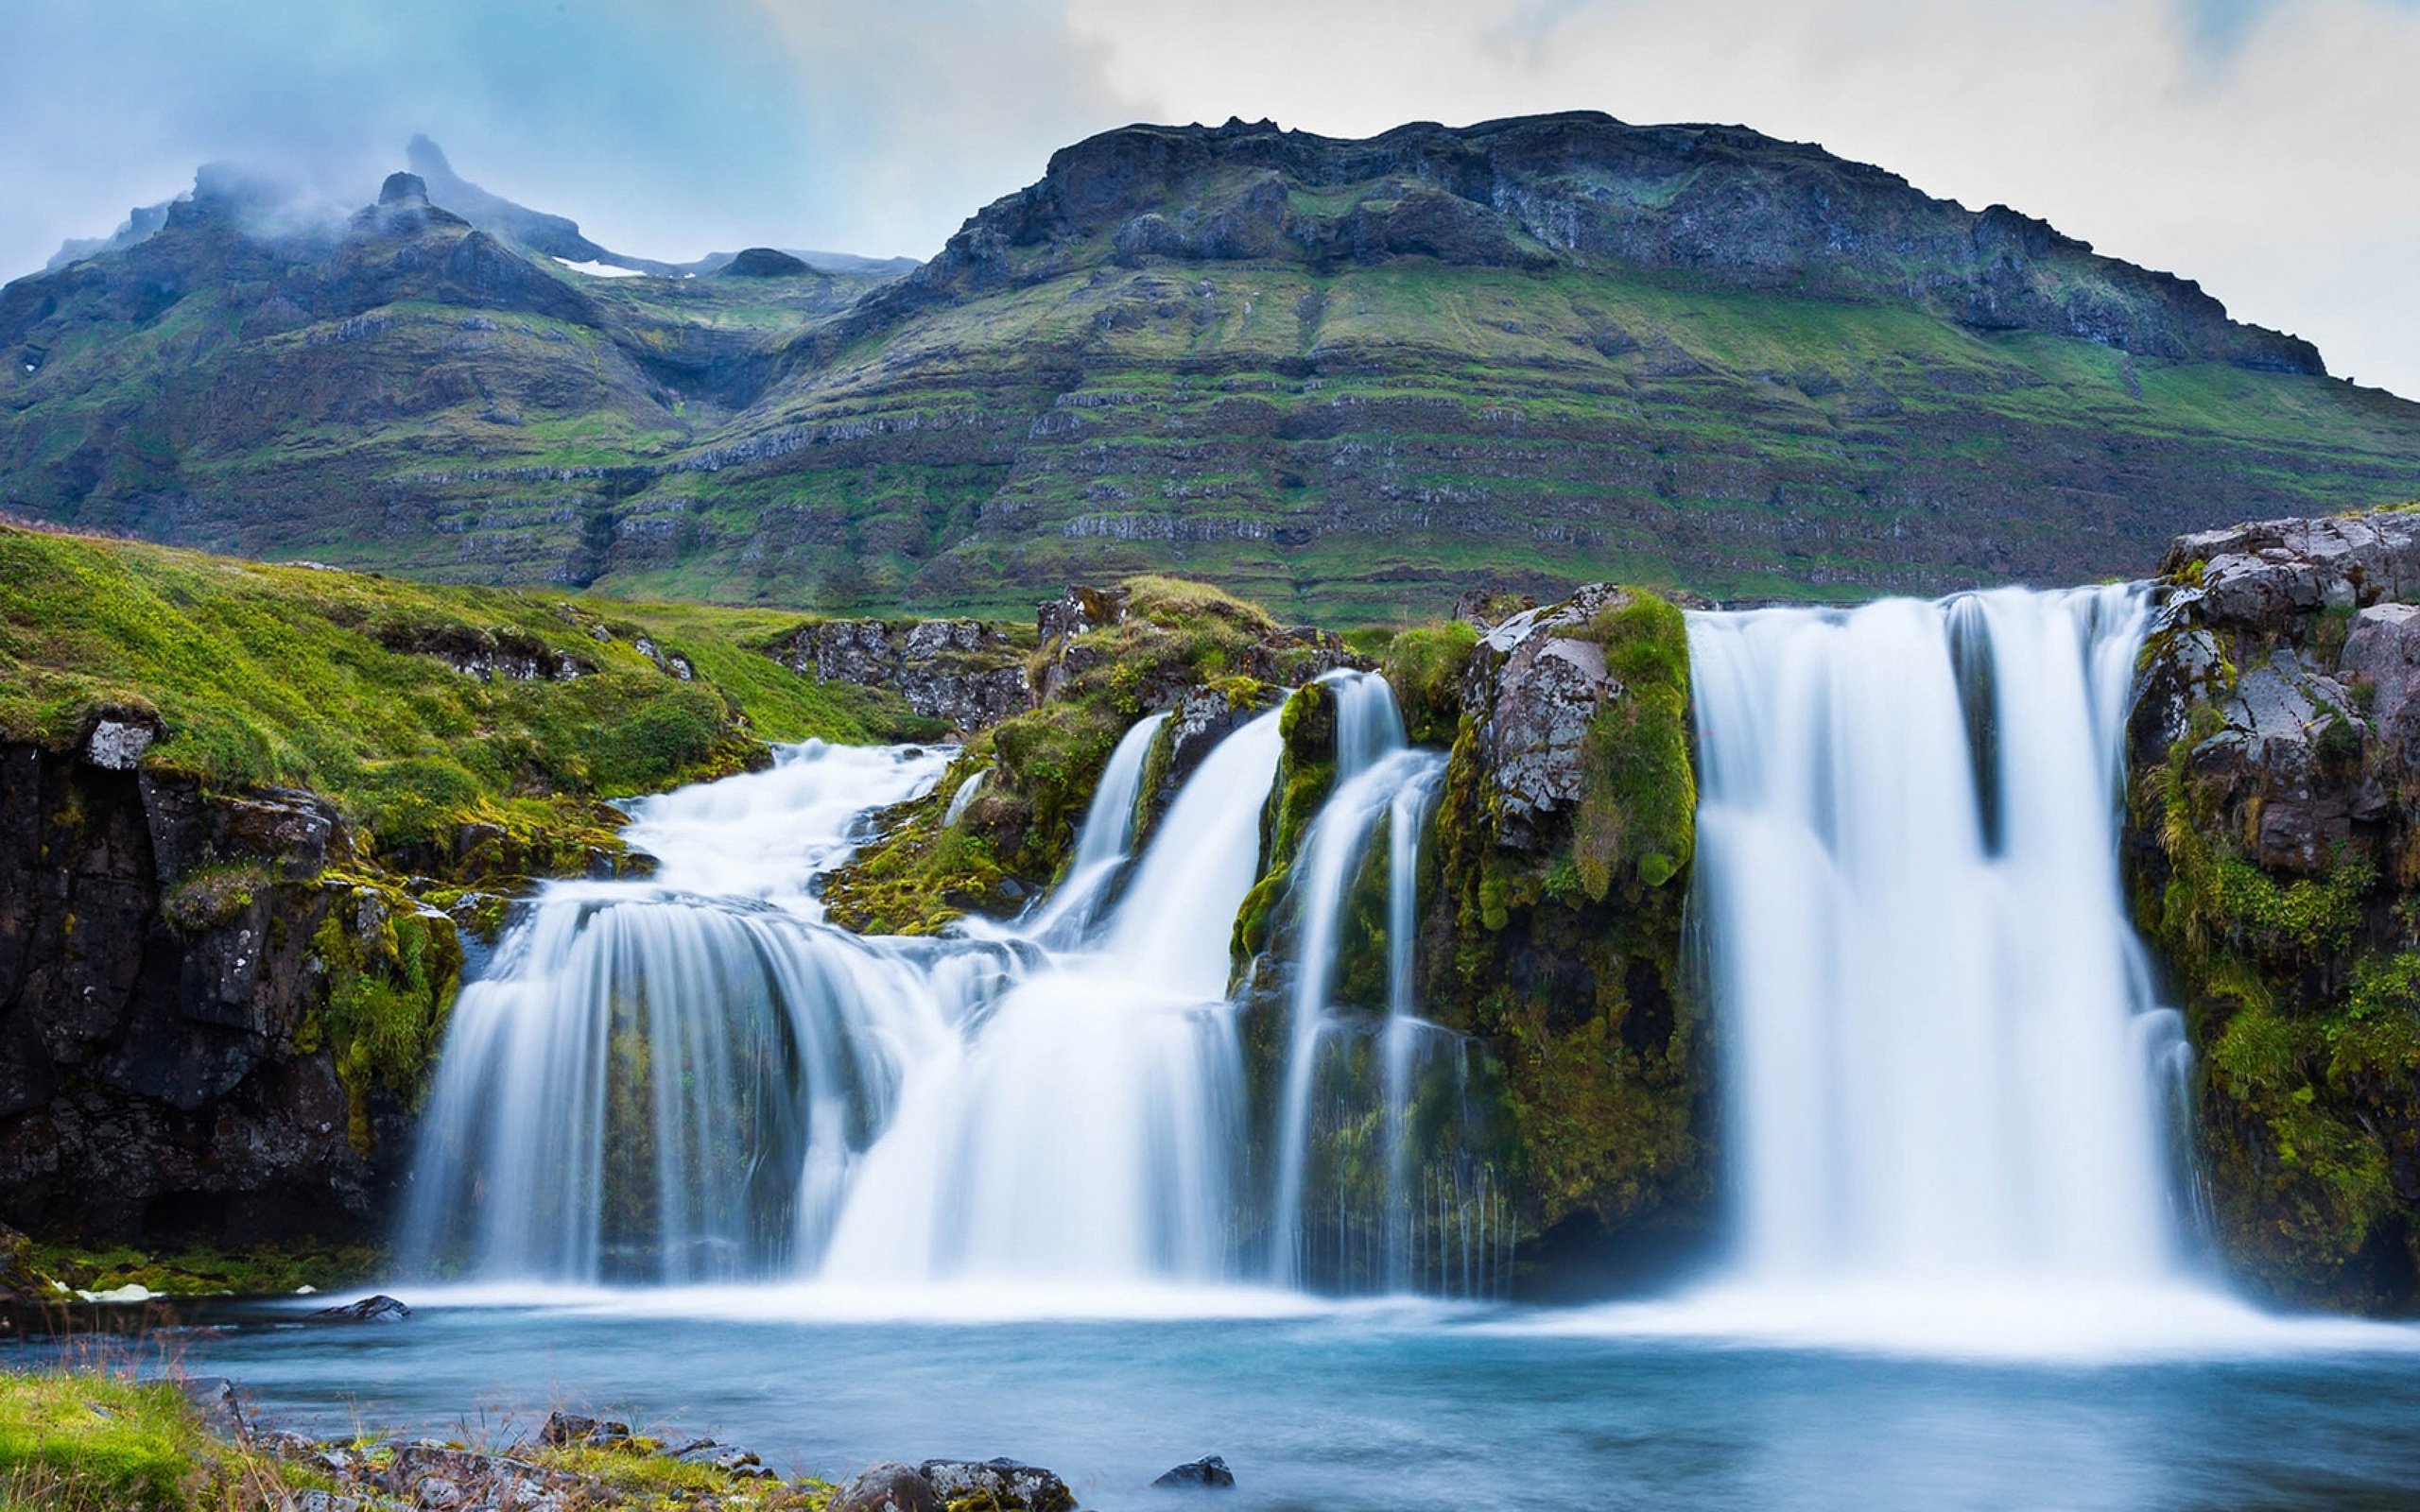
x: 405, y: 189
x: 1697, y: 204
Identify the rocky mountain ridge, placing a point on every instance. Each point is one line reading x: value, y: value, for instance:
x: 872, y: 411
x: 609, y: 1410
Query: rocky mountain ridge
x: 1721, y: 204
x: 1345, y: 377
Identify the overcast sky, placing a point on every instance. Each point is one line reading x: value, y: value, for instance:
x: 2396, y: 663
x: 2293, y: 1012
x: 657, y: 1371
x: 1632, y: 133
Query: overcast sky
x: 2269, y: 149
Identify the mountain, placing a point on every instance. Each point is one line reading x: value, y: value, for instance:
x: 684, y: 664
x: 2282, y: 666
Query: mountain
x: 1346, y: 376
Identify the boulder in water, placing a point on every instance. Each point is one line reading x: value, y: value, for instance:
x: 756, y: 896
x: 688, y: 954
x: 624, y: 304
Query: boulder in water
x: 1004, y: 1483
x: 1209, y: 1473
x: 378, y: 1309
x: 889, y: 1486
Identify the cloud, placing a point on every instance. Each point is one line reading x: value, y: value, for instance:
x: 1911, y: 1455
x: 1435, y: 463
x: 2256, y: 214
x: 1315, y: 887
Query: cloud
x: 2263, y: 147
x: 664, y: 130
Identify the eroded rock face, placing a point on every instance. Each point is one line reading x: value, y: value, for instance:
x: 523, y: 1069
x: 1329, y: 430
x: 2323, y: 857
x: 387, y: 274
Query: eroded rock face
x: 966, y: 672
x: 160, y: 979
x: 1539, y: 688
x: 2262, y: 576
x: 2273, y: 853
x: 1575, y: 972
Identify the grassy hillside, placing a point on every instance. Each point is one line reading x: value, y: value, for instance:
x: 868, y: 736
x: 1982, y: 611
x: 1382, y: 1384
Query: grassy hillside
x: 1349, y: 379
x: 1360, y: 445
x: 348, y: 684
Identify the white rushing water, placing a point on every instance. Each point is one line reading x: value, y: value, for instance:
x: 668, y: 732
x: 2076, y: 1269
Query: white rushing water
x: 694, y: 1078
x: 1946, y: 1075
x: 1085, y: 1131
x: 1935, y: 1010
x: 1945, y: 1078
x: 644, y: 1078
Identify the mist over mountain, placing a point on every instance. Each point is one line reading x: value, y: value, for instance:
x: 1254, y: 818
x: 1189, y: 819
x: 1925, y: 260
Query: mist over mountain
x: 1347, y: 376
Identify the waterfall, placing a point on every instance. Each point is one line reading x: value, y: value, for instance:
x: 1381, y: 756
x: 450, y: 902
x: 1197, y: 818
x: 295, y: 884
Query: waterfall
x: 632, y: 1088
x: 1364, y: 1213
x: 1084, y: 1127
x: 1103, y: 843
x: 1942, y: 1055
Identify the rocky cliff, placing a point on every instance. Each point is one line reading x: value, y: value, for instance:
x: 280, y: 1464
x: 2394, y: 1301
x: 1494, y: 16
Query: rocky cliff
x: 210, y: 1030
x: 1726, y: 205
x: 2275, y: 854
x: 1565, y: 840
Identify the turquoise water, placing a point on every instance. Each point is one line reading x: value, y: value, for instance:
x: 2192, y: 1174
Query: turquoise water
x: 1388, y: 1407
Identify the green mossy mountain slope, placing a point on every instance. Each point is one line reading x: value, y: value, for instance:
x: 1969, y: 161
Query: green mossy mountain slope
x: 1347, y: 378
x: 415, y: 710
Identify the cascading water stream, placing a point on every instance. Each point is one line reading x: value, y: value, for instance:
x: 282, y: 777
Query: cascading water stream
x: 1346, y: 1235
x: 1084, y: 1130
x: 631, y: 1089
x: 1943, y: 1059
x: 1104, y: 842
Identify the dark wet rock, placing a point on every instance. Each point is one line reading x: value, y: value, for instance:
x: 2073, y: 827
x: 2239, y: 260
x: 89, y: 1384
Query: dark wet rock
x: 1207, y: 1473
x: 379, y: 1309
x: 159, y: 970
x: 889, y: 1486
x: 2273, y: 855
x: 570, y: 1428
x: 19, y: 1281
x: 1201, y: 718
x: 965, y: 672
x: 1000, y: 1483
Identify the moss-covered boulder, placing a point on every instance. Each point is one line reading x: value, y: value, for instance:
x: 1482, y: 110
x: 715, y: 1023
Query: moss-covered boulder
x: 1103, y: 659
x: 2274, y: 858
x: 1565, y: 836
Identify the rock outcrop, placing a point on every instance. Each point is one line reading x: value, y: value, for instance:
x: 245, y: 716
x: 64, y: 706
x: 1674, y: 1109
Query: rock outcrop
x: 966, y: 673
x: 1549, y: 939
x: 1565, y: 836
x: 205, y: 1033
x: 2274, y: 855
x: 1105, y: 658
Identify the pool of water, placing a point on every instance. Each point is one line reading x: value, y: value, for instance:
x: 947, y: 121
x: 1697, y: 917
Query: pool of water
x: 1385, y: 1406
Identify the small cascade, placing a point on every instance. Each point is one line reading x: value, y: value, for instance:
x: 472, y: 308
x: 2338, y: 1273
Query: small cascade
x: 1084, y: 1127
x: 1104, y: 842
x: 631, y: 1090
x: 1944, y: 1056
x: 695, y: 1078
x: 1352, y: 1205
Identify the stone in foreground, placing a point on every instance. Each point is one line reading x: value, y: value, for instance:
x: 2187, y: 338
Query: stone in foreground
x: 1209, y: 1473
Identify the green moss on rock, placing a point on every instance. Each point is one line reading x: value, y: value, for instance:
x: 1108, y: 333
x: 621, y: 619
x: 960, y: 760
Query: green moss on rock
x: 1566, y: 956
x: 1425, y: 665
x: 391, y: 969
